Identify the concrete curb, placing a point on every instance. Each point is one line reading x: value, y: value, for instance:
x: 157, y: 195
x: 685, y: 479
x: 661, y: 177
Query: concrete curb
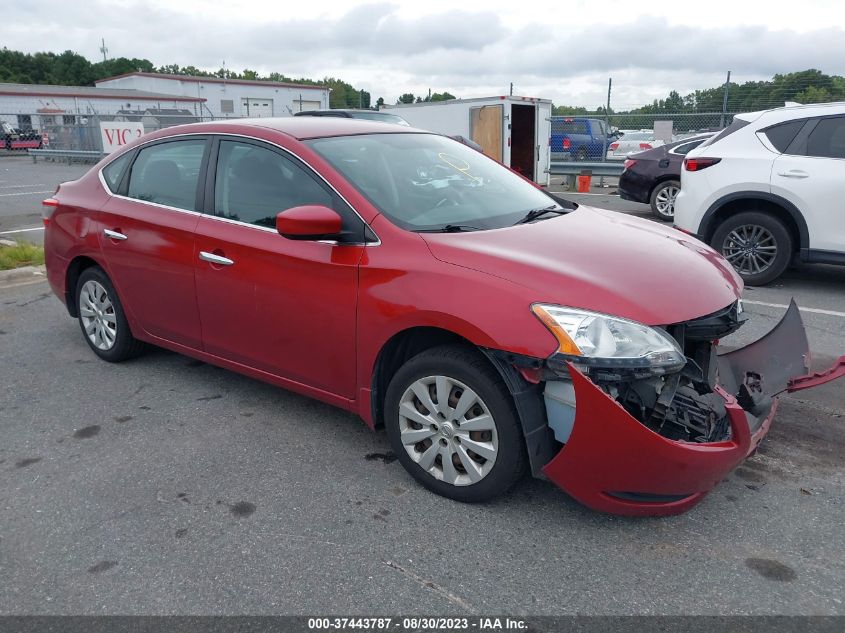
x: 22, y: 274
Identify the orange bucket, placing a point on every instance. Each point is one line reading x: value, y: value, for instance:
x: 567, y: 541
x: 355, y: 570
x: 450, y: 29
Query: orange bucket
x: 584, y: 184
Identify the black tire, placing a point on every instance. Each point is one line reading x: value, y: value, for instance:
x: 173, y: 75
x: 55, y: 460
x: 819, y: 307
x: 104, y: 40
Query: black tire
x: 124, y: 346
x: 778, y: 236
x: 582, y: 154
x: 668, y: 214
x: 469, y: 367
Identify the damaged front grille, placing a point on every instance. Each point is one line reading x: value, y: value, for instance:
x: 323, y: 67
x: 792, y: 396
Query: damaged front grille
x: 683, y: 406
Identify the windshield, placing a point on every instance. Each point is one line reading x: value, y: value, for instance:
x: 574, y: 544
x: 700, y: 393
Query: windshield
x: 425, y: 182
x: 380, y: 116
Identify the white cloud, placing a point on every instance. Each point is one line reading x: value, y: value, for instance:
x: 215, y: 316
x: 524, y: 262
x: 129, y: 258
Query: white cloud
x: 563, y: 51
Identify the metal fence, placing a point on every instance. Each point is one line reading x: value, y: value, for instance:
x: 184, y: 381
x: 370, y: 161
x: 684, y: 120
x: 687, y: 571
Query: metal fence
x: 82, y: 132
x: 595, y: 136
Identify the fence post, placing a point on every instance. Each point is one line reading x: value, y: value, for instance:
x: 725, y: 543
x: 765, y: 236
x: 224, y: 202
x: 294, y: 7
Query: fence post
x: 725, y: 100
x: 607, y: 127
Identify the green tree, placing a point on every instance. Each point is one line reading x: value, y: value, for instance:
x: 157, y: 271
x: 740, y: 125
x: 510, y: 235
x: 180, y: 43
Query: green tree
x: 406, y: 98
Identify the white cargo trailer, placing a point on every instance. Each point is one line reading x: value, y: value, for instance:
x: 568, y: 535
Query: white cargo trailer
x: 513, y: 130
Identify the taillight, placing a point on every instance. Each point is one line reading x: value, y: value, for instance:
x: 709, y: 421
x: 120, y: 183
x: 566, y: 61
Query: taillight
x: 645, y: 145
x: 697, y: 164
x: 630, y: 162
x: 614, y: 146
x: 49, y: 204
x: 567, y: 143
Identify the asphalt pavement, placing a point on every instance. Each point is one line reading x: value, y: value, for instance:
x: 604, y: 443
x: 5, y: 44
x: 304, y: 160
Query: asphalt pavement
x: 23, y: 185
x: 168, y: 486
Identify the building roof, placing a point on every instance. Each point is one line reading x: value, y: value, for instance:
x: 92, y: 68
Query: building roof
x: 88, y: 92
x: 214, y: 80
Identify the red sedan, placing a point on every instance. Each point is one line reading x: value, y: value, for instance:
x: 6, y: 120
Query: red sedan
x: 410, y: 279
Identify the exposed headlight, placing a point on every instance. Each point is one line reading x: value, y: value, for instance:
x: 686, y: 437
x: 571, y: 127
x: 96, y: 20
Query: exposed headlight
x: 597, y: 339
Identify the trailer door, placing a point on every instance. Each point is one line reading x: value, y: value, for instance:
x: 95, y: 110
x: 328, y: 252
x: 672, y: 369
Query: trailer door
x: 544, y: 143
x: 485, y: 128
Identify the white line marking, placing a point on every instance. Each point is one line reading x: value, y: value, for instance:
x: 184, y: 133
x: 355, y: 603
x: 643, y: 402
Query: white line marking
x: 784, y: 307
x: 24, y: 193
x: 35, y: 228
x: 40, y: 184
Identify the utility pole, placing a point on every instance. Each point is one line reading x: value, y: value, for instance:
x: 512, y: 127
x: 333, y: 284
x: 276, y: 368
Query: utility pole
x: 606, y: 122
x: 511, y: 93
x: 725, y: 100
x: 103, y: 48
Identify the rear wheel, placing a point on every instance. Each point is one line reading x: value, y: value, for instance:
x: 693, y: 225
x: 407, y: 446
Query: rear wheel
x: 453, y: 426
x: 102, y: 319
x: 757, y: 245
x: 663, y: 199
x: 582, y: 154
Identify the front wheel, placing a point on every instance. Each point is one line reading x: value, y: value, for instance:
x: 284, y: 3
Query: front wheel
x: 663, y: 200
x: 102, y: 319
x: 757, y: 245
x: 453, y: 426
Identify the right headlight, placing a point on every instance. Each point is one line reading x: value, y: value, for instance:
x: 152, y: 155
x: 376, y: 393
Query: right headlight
x: 601, y: 340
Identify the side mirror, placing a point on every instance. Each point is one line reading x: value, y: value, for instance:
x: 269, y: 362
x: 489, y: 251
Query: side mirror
x: 309, y: 222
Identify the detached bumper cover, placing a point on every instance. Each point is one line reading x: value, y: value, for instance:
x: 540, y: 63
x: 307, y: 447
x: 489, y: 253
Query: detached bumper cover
x: 614, y: 463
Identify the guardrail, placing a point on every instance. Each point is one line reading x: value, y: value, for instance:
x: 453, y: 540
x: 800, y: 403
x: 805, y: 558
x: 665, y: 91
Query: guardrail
x: 68, y: 155
x: 574, y: 168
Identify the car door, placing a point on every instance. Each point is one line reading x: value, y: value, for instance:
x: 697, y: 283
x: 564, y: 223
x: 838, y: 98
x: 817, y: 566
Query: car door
x: 147, y: 237
x: 811, y: 174
x: 282, y: 306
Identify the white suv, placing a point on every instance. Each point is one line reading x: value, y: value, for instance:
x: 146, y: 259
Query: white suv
x: 768, y: 188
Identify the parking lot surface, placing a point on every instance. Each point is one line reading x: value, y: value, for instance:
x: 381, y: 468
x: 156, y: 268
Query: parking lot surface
x: 23, y: 185
x: 168, y: 486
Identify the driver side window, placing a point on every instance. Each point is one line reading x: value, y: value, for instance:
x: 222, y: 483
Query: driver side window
x: 254, y: 183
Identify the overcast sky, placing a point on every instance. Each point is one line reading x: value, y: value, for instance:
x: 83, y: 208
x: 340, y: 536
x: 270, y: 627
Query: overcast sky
x: 560, y: 50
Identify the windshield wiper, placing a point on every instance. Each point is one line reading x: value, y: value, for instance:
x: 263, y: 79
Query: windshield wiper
x: 452, y: 228
x: 533, y: 214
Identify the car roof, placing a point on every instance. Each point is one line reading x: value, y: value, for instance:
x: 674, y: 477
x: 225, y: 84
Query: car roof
x: 303, y: 127
x: 376, y: 112
x: 786, y: 113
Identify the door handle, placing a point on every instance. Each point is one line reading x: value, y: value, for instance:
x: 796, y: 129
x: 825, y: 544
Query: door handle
x: 115, y: 235
x: 794, y: 173
x: 215, y: 259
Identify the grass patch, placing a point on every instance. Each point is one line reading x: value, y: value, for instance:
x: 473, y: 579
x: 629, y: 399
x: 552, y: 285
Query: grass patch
x: 21, y: 254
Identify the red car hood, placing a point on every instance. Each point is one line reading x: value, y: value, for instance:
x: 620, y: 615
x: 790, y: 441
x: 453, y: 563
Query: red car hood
x: 603, y: 261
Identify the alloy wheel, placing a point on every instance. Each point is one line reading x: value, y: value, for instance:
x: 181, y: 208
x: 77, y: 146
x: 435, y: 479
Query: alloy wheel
x: 447, y: 429
x: 664, y: 201
x: 751, y: 249
x: 98, y: 316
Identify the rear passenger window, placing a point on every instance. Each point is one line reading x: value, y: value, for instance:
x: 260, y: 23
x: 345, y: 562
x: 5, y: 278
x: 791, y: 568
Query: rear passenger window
x: 113, y: 172
x: 253, y: 184
x: 783, y: 134
x: 827, y: 140
x: 168, y: 174
x: 686, y: 148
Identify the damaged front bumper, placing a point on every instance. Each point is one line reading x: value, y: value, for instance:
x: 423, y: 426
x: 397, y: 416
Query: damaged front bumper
x: 630, y: 459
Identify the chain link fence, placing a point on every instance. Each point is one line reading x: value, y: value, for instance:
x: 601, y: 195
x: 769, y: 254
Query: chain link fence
x: 596, y: 136
x: 80, y: 132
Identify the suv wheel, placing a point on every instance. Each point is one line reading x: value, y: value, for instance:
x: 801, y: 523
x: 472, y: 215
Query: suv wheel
x: 582, y: 154
x: 663, y: 199
x: 757, y: 245
x: 453, y: 425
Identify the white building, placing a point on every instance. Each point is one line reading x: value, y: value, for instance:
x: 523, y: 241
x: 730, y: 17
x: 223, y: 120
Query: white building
x: 228, y: 97
x: 43, y: 106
